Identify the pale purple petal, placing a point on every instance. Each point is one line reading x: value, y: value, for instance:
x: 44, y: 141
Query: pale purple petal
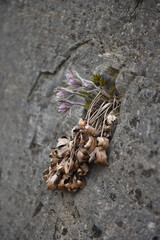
x: 64, y: 107
x: 60, y: 94
x: 75, y: 83
x: 69, y: 75
x: 88, y: 85
x: 64, y: 94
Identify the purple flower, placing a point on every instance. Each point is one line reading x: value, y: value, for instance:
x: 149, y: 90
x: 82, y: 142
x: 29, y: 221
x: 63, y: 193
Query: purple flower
x: 67, y: 105
x: 73, y: 79
x: 64, y: 93
x: 69, y: 75
x: 75, y: 83
x: 88, y: 85
x: 64, y: 107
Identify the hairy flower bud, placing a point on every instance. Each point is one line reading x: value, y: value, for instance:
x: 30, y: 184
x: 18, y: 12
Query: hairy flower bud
x: 73, y: 79
x: 64, y: 93
x: 88, y: 85
x: 64, y: 107
x: 75, y: 83
x: 70, y: 75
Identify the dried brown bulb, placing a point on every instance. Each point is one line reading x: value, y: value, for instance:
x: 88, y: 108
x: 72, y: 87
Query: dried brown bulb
x: 70, y: 147
x: 61, y: 184
x: 53, y: 153
x: 111, y: 118
x: 92, y: 157
x: 82, y: 139
x: 69, y: 161
x: 54, y: 160
x: 51, y: 182
x: 46, y: 171
x: 72, y: 185
x: 81, y: 183
x: 83, y: 169
x: 101, y: 156
x: 60, y: 167
x: 80, y: 156
x: 85, y: 154
x: 52, y: 170
x: 68, y: 166
x: 103, y: 142
x: 91, y: 144
x: 45, y: 174
x: 75, y: 130
x: 81, y: 123
x: 107, y: 128
x: 64, y: 141
x: 62, y: 147
x: 90, y: 130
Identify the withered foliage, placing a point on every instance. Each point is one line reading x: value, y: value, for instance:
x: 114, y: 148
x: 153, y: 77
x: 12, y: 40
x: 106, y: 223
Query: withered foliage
x: 69, y: 161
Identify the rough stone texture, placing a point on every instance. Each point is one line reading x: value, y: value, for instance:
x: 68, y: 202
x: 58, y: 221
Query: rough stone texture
x: 39, y: 40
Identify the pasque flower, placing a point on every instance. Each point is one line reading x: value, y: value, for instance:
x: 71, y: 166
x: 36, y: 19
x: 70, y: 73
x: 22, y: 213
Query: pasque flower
x: 77, y: 86
x: 88, y: 85
x: 69, y: 75
x: 74, y: 83
x: 63, y: 93
x: 65, y: 107
x: 73, y: 79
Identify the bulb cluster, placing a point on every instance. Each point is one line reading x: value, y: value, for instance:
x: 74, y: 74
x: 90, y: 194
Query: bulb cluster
x: 69, y: 161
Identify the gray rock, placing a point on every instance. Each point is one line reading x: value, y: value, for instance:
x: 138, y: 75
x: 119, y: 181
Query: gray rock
x: 39, y: 41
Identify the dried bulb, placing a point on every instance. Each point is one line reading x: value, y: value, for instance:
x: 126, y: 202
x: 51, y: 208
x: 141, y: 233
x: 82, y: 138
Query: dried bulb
x: 80, y: 156
x: 101, y: 156
x: 103, y: 142
x: 91, y: 144
x: 92, y: 157
x: 75, y: 130
x: 90, y: 130
x: 69, y: 161
x: 51, y: 182
x: 111, y: 118
x: 81, y: 123
x: 62, y: 142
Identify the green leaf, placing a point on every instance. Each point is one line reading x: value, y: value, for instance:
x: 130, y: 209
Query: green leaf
x: 111, y: 90
x: 84, y: 93
x: 86, y: 106
x: 98, y: 80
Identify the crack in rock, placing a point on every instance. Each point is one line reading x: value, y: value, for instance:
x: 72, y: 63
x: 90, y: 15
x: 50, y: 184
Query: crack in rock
x: 56, y: 68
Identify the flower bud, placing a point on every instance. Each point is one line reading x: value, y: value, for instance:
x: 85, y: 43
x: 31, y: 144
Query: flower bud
x: 64, y: 107
x: 88, y: 85
x: 63, y: 94
x: 70, y: 75
x: 75, y: 83
x: 75, y: 80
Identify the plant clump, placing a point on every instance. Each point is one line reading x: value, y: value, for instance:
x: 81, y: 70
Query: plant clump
x: 89, y: 140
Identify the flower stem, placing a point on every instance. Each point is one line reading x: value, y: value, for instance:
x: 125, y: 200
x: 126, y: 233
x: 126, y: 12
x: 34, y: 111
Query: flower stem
x: 79, y: 104
x: 81, y: 95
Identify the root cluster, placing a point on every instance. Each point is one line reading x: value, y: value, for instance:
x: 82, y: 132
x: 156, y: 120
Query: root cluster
x: 70, y: 160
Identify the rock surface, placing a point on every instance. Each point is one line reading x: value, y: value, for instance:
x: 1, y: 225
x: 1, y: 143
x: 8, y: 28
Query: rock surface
x: 39, y: 40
